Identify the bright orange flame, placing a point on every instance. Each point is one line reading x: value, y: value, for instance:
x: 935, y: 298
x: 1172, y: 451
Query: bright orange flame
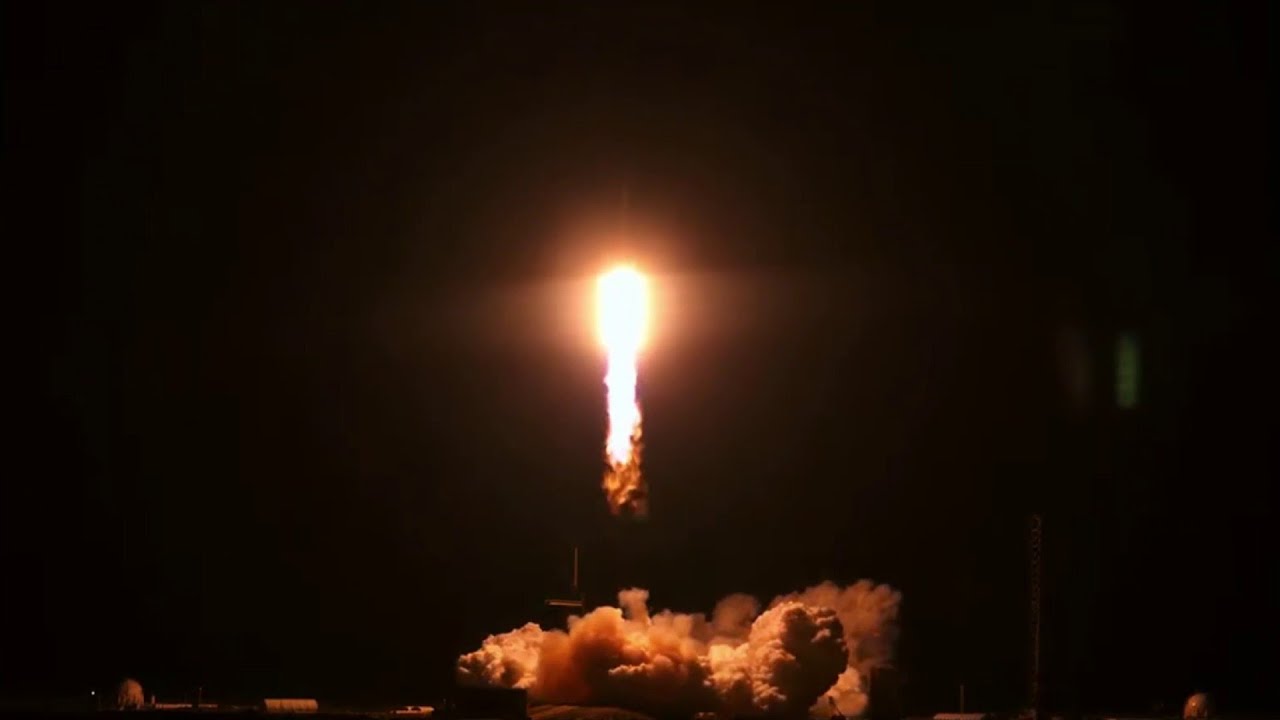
x: 623, y: 310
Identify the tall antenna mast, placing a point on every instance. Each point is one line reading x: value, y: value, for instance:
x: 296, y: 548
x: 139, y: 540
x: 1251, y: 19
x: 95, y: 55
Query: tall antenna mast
x: 1034, y: 546
x: 576, y: 601
x: 625, y: 210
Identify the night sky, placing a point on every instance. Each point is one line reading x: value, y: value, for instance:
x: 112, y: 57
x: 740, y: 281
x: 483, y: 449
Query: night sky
x: 308, y: 400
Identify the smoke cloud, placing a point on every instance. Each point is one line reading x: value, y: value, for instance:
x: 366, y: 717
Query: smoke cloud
x: 784, y: 660
x: 129, y: 695
x: 869, y: 617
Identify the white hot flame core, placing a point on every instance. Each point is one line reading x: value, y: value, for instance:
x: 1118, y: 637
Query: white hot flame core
x: 623, y: 314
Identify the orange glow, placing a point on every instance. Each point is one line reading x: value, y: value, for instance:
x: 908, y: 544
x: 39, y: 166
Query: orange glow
x: 622, y: 320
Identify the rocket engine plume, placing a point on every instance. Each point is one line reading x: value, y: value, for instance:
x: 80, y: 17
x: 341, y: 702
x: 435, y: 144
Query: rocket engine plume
x: 622, y: 316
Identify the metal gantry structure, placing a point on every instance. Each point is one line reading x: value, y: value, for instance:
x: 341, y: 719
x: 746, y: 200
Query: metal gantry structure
x: 1034, y: 547
x: 575, y: 601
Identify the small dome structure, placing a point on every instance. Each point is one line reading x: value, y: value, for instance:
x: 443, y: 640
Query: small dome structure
x: 1198, y: 707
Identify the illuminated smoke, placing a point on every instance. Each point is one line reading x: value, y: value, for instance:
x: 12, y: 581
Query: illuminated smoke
x: 506, y: 660
x: 623, y: 299
x: 129, y: 695
x: 781, y: 661
x: 869, y: 615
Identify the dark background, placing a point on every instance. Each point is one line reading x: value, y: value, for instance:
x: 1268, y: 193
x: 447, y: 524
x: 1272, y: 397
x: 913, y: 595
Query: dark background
x: 299, y: 298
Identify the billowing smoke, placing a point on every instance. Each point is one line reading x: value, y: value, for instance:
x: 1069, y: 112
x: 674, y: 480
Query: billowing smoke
x: 129, y: 695
x: 782, y: 661
x: 869, y: 616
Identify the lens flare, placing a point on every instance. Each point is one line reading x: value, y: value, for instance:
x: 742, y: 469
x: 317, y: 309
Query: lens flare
x: 623, y: 314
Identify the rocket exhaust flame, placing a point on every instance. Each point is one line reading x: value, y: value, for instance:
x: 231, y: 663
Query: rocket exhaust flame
x: 623, y: 309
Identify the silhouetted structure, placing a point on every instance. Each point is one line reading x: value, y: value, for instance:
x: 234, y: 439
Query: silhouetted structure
x: 468, y: 703
x: 559, y: 609
x: 884, y: 694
